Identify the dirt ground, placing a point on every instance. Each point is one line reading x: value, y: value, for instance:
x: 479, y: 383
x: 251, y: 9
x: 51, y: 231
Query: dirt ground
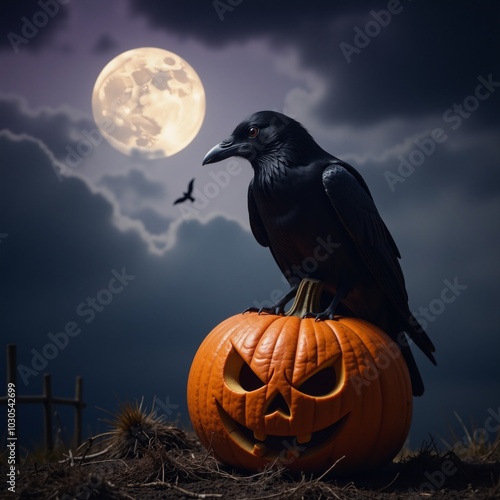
x: 192, y: 473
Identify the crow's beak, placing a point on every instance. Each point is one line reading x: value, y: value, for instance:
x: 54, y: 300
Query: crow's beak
x: 226, y: 149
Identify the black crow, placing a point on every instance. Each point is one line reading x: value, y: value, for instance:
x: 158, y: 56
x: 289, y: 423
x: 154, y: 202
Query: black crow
x: 188, y: 195
x: 317, y: 216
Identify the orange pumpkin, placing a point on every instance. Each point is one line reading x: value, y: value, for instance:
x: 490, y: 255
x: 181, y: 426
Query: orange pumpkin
x: 265, y: 388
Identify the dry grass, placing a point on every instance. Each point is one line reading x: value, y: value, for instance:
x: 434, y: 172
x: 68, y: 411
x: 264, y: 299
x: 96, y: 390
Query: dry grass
x: 473, y: 442
x: 134, y: 430
x: 143, y: 457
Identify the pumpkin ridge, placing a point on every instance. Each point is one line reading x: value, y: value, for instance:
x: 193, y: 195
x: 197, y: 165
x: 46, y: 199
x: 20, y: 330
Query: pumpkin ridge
x: 209, y: 396
x: 265, y: 321
x: 302, y: 336
x: 388, y: 386
x: 289, y: 327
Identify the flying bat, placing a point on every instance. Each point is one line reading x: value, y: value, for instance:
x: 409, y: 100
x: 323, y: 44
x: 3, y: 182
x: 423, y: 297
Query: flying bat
x: 188, y: 195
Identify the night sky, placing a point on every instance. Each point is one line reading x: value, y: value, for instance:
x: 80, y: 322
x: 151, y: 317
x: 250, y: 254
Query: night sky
x: 407, y: 92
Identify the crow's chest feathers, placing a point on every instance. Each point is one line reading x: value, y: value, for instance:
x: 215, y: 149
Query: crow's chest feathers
x: 291, y: 201
x: 272, y: 177
x: 278, y: 203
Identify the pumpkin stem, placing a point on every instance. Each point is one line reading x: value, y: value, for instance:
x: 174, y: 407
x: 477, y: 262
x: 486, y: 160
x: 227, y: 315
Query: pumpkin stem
x: 307, y: 299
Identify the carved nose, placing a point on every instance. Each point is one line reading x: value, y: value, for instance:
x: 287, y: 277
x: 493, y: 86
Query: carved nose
x: 279, y: 404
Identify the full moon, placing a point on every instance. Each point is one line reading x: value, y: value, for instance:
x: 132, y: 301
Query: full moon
x: 148, y: 100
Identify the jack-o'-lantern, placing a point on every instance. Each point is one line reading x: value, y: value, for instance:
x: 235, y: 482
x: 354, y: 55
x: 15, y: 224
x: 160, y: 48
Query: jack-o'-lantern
x: 265, y: 388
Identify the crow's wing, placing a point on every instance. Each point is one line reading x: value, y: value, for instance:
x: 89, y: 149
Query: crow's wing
x: 354, y: 206
x: 358, y: 213
x: 180, y: 200
x: 256, y: 224
x: 190, y: 187
x: 369, y: 206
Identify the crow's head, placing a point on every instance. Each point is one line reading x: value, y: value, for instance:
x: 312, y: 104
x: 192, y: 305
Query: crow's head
x: 265, y: 139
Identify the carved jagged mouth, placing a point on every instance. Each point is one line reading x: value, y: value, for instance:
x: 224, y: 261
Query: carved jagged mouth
x: 279, y: 447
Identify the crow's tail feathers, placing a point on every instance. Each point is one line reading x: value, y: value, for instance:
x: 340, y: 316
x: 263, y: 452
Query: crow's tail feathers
x: 420, y: 337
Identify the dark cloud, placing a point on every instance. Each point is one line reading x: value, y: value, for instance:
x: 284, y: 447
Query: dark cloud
x: 220, y: 23
x: 133, y: 191
x: 29, y: 25
x: 104, y: 44
x: 153, y: 221
x: 134, y: 186
x: 465, y: 168
x: 427, y: 58
x: 420, y: 58
x: 71, y: 139
x: 61, y: 130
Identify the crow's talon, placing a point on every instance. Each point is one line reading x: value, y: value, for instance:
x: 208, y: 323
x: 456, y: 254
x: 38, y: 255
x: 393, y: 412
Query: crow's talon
x: 278, y: 311
x: 320, y: 316
x: 250, y: 310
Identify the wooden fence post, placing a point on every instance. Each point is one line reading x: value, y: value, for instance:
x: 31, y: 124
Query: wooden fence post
x: 11, y: 364
x: 47, y: 394
x: 78, y: 411
x: 48, y: 400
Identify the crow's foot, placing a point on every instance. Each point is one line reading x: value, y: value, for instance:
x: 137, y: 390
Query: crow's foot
x: 329, y: 312
x: 326, y: 314
x: 277, y: 310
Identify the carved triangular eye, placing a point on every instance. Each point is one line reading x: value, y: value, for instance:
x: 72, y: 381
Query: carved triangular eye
x: 321, y: 383
x: 238, y: 374
x: 248, y: 380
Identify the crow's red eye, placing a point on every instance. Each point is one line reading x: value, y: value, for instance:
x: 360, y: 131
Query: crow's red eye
x: 253, y: 132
